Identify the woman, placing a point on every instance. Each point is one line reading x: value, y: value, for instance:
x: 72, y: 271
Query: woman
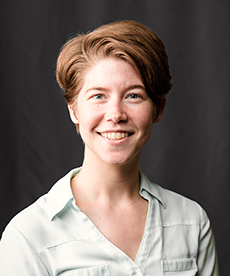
x: 106, y: 218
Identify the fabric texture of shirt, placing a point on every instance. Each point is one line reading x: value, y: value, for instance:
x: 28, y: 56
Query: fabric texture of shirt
x: 53, y: 237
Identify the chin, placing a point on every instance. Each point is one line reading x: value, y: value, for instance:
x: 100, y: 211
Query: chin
x: 116, y: 162
x: 121, y: 160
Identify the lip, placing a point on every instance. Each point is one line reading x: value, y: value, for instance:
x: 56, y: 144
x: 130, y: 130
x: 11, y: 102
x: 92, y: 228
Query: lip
x: 115, y: 136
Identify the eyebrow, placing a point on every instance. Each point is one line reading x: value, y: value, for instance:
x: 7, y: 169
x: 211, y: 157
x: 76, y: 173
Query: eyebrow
x: 131, y: 87
x: 96, y: 88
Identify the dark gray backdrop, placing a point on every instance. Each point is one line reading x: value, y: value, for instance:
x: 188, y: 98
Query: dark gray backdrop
x: 189, y: 149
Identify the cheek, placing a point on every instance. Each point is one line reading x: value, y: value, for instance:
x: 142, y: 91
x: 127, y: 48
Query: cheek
x: 88, y: 118
x: 145, y: 116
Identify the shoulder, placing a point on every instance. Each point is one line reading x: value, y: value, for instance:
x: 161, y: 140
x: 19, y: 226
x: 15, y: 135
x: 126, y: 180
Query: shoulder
x: 174, y: 207
x: 28, y: 220
x: 45, y: 221
x: 24, y: 233
x: 41, y: 213
x: 180, y: 208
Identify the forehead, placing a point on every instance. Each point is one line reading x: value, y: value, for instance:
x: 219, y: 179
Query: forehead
x: 111, y: 71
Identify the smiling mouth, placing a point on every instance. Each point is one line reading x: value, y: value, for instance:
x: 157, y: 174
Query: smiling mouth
x: 115, y: 135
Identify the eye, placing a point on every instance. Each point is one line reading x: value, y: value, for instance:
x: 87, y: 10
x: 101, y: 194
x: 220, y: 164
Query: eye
x: 98, y: 97
x: 134, y: 96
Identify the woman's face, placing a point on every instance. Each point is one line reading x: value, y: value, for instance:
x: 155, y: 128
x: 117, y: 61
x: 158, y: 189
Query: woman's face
x: 114, y: 112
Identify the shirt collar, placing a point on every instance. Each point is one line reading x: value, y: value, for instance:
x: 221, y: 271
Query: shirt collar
x: 61, y: 194
x: 153, y: 189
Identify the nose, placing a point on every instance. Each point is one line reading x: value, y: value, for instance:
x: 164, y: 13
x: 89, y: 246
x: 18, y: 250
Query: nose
x: 115, y: 112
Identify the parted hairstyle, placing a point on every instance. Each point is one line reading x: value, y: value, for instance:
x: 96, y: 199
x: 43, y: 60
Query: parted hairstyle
x: 126, y: 40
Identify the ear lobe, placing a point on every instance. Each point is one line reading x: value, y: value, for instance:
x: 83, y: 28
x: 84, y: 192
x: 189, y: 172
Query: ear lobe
x: 161, y: 108
x: 72, y: 114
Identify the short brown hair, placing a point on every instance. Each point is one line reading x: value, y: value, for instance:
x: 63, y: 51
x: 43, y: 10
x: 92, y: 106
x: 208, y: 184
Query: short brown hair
x: 127, y: 40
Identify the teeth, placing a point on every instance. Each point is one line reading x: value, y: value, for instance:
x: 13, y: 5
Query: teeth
x: 115, y: 135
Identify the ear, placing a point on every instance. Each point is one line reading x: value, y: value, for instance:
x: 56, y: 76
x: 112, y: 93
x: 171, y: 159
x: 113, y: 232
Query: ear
x: 73, y: 114
x: 160, y: 110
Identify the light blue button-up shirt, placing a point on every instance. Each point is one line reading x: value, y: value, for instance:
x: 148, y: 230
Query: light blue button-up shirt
x: 53, y: 237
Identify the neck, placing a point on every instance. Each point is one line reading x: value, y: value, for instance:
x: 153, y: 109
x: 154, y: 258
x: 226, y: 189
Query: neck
x: 107, y: 182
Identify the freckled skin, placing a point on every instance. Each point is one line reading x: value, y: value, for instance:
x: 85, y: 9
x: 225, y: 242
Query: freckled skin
x: 114, y: 80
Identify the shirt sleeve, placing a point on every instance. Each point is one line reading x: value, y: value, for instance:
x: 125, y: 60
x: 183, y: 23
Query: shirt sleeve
x: 17, y: 256
x: 207, y: 257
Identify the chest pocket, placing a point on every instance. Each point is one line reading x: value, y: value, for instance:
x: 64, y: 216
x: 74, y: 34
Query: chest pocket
x: 184, y: 267
x: 90, y: 271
